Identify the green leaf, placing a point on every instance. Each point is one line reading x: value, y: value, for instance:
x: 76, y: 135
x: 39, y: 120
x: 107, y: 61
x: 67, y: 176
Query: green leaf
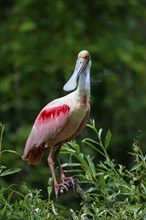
x: 10, y: 171
x: 2, y: 167
x: 1, y: 137
x: 91, y: 165
x: 107, y: 139
x: 73, y: 171
x: 10, y: 151
x: 102, y: 180
x: 137, y: 166
x: 99, y: 133
x: 90, y: 140
x: 70, y: 164
x: 73, y: 215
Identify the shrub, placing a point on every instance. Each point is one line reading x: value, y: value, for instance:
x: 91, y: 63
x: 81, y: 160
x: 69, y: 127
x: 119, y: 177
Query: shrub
x: 107, y: 190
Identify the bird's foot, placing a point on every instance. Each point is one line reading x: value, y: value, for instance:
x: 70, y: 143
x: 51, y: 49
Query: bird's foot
x: 64, y: 185
x: 59, y: 188
x: 68, y: 181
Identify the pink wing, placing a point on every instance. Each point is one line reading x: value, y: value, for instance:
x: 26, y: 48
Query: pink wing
x: 48, y: 124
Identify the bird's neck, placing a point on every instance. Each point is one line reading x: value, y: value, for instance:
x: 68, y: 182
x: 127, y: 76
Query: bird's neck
x: 83, y: 89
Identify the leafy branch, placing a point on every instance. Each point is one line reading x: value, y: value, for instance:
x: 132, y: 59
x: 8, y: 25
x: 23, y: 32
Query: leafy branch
x: 4, y: 171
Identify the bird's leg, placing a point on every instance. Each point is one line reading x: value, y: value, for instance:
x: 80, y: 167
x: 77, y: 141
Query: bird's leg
x: 56, y: 185
x: 68, y: 181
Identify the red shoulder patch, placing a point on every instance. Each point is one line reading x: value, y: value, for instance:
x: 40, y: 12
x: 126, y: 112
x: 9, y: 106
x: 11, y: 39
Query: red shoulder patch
x: 46, y: 114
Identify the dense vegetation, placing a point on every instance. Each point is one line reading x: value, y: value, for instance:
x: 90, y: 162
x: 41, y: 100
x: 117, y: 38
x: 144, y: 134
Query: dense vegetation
x: 39, y: 44
x: 106, y: 190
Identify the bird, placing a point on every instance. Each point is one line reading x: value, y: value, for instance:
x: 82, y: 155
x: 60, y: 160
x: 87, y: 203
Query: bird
x: 60, y: 121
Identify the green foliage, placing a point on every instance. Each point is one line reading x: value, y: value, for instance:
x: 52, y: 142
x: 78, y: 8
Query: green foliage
x: 107, y: 190
x: 4, y: 171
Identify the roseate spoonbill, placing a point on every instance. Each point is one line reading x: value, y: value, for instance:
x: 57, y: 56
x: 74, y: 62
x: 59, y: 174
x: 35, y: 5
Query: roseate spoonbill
x: 61, y: 121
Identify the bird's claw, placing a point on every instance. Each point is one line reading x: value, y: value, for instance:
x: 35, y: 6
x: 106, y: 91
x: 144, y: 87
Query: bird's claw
x: 64, y: 185
x: 59, y: 188
x: 68, y: 181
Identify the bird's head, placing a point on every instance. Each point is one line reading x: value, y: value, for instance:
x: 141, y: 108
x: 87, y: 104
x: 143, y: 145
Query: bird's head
x: 82, y: 63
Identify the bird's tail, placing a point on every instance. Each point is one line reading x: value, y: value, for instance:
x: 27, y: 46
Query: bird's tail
x: 34, y: 156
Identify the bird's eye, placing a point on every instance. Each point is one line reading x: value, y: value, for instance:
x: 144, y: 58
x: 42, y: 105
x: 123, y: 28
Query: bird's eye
x: 86, y: 57
x: 84, y: 54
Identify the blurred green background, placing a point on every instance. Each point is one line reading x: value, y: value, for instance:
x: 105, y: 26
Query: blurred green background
x: 40, y: 41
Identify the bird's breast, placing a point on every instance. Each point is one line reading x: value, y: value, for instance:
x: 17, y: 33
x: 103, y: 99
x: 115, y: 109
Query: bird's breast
x: 77, y: 115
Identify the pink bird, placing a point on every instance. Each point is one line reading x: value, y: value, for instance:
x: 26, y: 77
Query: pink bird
x: 60, y: 121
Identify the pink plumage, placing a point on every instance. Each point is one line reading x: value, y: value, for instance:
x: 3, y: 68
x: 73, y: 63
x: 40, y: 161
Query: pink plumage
x: 61, y: 121
x: 55, y: 112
